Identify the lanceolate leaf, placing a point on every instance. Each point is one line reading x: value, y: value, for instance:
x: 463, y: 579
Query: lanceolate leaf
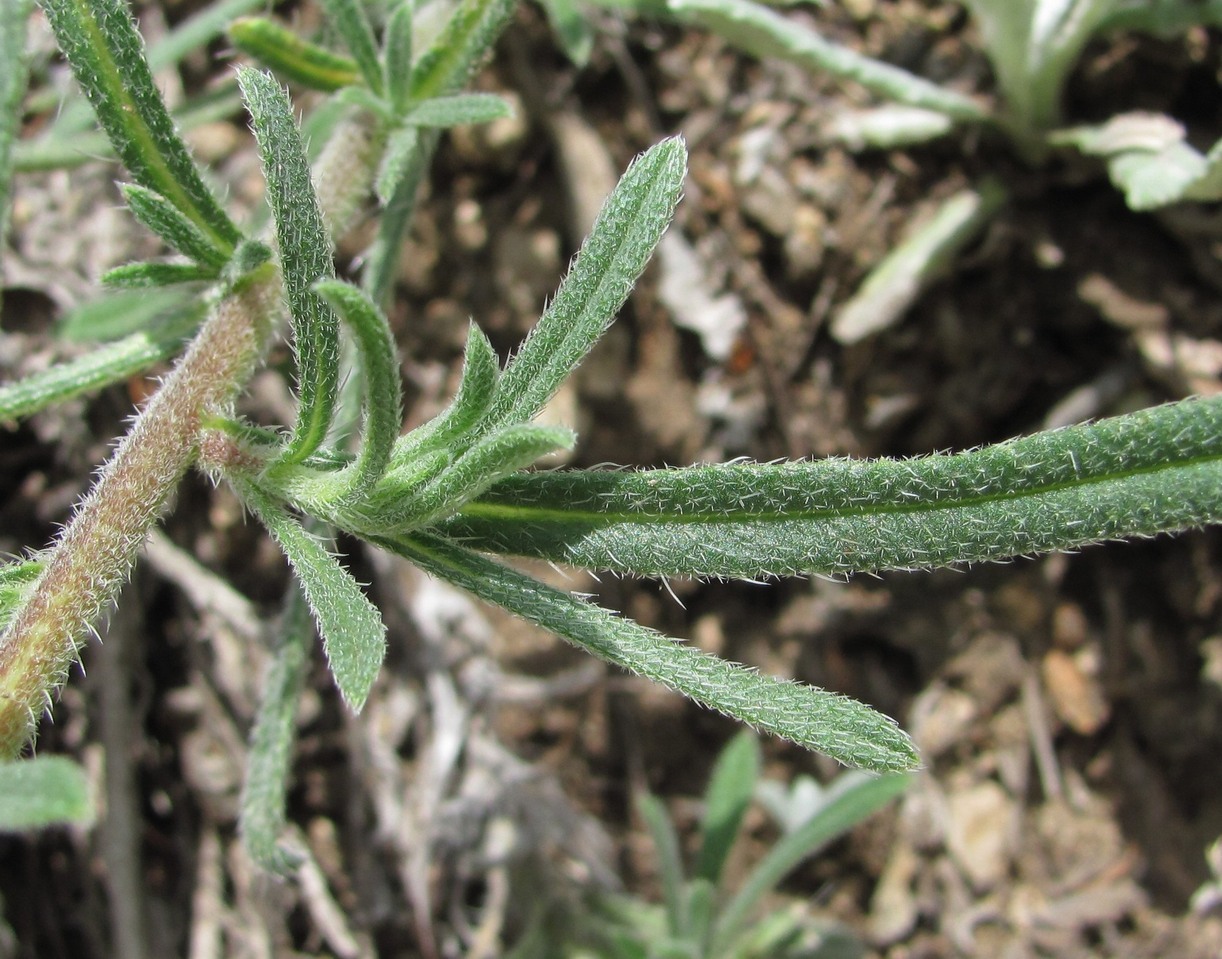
x: 164, y: 219
x: 100, y: 367
x: 348, y: 17
x: 492, y: 458
x: 766, y: 33
x: 107, y: 56
x: 262, y: 820
x: 351, y: 627
x: 305, y: 257
x: 291, y: 56
x: 475, y: 391
x: 612, y: 258
x: 397, y: 56
x: 824, y: 721
x: 1135, y: 475
x: 138, y: 276
x: 458, y: 109
x: 460, y: 48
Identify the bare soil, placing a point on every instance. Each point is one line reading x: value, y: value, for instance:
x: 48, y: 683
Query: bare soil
x: 1069, y: 708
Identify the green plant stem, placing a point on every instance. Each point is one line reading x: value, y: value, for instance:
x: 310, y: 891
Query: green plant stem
x: 94, y: 554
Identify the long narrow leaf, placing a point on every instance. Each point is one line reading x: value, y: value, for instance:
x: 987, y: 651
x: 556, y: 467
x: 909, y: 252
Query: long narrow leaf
x: 725, y: 803
x: 463, y: 44
x: 100, y: 367
x: 348, y: 18
x: 14, y: 16
x: 383, y: 389
x: 766, y: 33
x: 351, y: 627
x: 832, y: 821
x: 107, y: 57
x: 670, y: 861
x: 1154, y: 471
x: 305, y: 257
x: 827, y: 722
x: 168, y: 222
x: 291, y: 56
x: 262, y: 819
x: 613, y: 256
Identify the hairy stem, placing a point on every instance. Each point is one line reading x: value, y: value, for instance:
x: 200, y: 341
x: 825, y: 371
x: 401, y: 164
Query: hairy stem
x: 94, y: 554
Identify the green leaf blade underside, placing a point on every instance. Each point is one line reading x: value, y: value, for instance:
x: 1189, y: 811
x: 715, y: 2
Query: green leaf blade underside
x: 619, y: 246
x: 305, y: 258
x: 765, y: 33
x: 817, y: 719
x: 1158, y: 470
x: 351, y: 627
x: 106, y: 52
x: 291, y: 56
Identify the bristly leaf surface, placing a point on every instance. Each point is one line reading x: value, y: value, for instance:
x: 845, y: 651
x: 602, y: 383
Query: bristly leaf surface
x: 351, y: 627
x: 1134, y: 475
x: 612, y: 258
x: 107, y: 57
x: 305, y: 258
x: 826, y: 722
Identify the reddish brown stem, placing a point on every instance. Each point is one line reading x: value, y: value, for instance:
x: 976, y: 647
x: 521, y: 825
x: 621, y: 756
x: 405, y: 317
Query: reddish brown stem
x: 93, y: 556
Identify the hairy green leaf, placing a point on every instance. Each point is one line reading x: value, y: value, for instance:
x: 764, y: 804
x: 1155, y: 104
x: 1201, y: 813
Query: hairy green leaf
x: 463, y: 44
x: 1135, y: 475
x: 305, y: 258
x: 475, y: 391
x: 458, y: 109
x: 399, y: 164
x: 100, y: 367
x: 348, y: 18
x: 262, y: 820
x: 764, y: 33
x: 165, y: 219
x: 817, y: 719
x: 292, y: 56
x: 492, y: 458
x: 383, y: 389
x: 107, y: 56
x: 351, y: 627
x: 613, y: 256
x: 43, y: 791
x: 397, y: 57
x: 141, y: 276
